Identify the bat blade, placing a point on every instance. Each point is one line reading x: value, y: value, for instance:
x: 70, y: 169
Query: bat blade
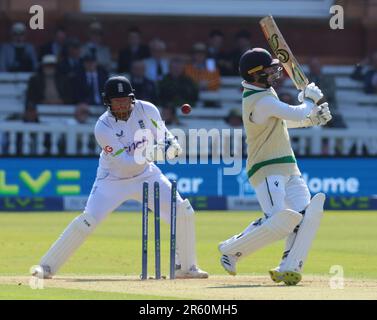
x: 280, y: 48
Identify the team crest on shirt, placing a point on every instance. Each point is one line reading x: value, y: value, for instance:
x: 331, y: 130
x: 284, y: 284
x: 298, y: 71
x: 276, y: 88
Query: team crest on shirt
x: 141, y: 124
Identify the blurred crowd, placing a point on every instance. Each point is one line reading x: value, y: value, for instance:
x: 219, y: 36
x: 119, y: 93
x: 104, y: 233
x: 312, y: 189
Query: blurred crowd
x: 366, y: 72
x: 68, y: 71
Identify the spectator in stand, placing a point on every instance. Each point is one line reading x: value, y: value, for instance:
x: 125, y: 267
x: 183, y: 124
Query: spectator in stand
x: 56, y: 45
x: 201, y: 70
x: 286, y: 97
x: 135, y: 50
x: 82, y: 117
x: 18, y: 55
x: 89, y: 82
x: 47, y: 86
x: 176, y: 88
x: 327, y: 84
x: 234, y: 118
x: 157, y: 66
x: 145, y: 89
x: 235, y: 146
x: 243, y: 43
x: 96, y: 48
x: 325, y: 81
x: 30, y: 115
x: 71, y: 63
x: 169, y: 115
x: 216, y: 51
x: 82, y: 114
x: 367, y: 73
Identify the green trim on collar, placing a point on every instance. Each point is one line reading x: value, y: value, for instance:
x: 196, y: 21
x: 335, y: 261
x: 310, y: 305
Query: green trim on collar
x: 249, y: 92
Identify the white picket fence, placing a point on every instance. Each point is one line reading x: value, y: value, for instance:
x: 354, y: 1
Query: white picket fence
x: 31, y: 133
x: 29, y: 139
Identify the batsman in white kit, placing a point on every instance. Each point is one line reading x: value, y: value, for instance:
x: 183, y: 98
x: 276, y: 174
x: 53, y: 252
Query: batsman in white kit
x: 289, y: 211
x: 120, y: 176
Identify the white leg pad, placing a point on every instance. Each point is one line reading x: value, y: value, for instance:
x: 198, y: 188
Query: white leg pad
x: 186, y: 250
x: 71, y: 238
x: 305, y: 235
x: 268, y: 231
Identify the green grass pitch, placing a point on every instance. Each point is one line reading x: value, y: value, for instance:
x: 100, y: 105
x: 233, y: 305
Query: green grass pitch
x: 345, y: 238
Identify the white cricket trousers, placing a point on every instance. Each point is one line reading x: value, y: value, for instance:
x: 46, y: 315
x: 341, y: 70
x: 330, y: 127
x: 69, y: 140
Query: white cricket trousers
x: 277, y: 192
x: 108, y: 193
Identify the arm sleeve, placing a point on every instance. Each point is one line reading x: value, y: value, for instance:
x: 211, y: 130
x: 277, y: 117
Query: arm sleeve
x: 159, y: 130
x: 269, y: 106
x: 299, y: 124
x: 113, y: 149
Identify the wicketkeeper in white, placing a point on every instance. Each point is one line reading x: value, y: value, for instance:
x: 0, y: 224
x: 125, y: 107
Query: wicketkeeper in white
x: 124, y: 132
x: 289, y: 210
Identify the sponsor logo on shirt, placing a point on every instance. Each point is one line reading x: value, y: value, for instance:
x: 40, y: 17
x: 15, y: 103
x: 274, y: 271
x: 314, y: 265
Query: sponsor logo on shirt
x: 129, y: 149
x: 135, y: 145
x: 120, y: 134
x: 108, y: 149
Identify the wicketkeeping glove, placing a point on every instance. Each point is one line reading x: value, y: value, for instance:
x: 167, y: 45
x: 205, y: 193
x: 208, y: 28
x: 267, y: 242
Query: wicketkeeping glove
x: 173, y: 149
x: 168, y: 148
x: 155, y: 153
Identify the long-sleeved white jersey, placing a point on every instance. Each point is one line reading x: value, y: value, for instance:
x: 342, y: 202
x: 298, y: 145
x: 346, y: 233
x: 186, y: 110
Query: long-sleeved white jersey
x: 266, y: 120
x: 119, y: 139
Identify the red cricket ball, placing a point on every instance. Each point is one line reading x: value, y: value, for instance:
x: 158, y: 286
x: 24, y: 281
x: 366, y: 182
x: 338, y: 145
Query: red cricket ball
x: 186, y: 108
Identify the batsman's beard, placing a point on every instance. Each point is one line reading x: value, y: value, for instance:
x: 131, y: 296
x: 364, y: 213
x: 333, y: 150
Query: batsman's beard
x: 274, y: 75
x: 122, y: 112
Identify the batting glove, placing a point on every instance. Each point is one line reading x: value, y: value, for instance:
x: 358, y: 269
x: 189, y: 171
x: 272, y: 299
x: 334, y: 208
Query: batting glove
x: 320, y: 115
x: 311, y: 92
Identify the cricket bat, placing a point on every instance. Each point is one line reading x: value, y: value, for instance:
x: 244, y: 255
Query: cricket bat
x: 283, y: 53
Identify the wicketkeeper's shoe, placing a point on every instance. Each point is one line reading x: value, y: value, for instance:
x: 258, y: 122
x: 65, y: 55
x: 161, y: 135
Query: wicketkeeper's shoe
x: 42, y: 272
x: 194, y: 273
x: 290, y: 278
x: 229, y: 261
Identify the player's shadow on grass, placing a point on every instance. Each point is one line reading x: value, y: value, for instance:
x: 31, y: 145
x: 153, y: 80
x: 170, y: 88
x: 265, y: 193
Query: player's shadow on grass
x: 251, y: 286
x: 100, y: 280
x: 95, y: 280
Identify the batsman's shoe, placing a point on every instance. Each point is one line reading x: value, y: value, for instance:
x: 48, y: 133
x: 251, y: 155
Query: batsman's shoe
x: 229, y: 261
x: 42, y: 272
x: 193, y: 273
x: 290, y: 278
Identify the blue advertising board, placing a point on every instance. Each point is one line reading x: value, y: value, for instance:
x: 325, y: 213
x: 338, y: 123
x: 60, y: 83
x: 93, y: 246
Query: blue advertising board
x: 51, y: 177
x: 339, y: 178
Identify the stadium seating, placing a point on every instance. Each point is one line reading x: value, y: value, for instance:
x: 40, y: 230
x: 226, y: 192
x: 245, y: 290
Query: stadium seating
x: 13, y: 87
x: 359, y: 110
